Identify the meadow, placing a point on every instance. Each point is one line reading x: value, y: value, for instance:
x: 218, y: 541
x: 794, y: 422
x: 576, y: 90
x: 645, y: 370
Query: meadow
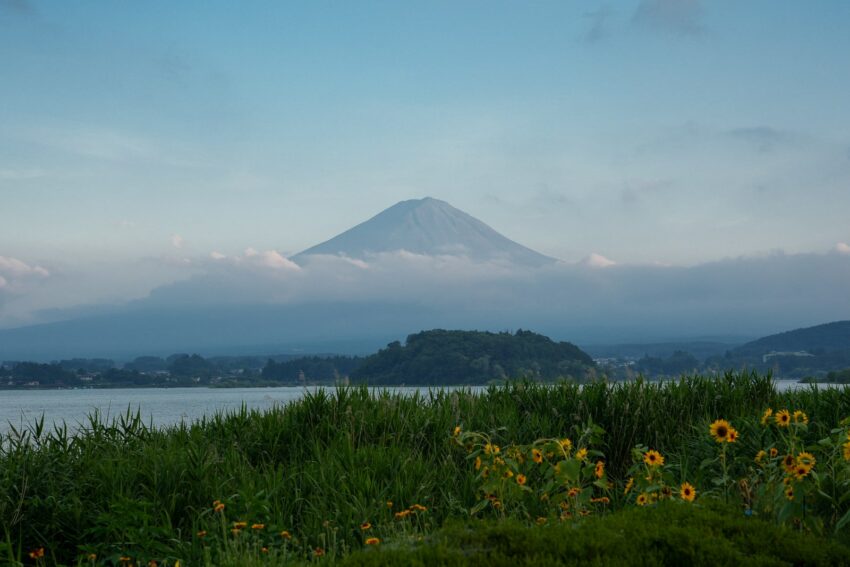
x: 360, y: 478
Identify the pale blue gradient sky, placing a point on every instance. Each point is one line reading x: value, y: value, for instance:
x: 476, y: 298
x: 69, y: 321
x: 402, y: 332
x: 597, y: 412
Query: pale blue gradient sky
x: 669, y: 131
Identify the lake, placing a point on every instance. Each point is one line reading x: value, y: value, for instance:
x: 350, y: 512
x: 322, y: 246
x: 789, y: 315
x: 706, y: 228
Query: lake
x: 160, y: 406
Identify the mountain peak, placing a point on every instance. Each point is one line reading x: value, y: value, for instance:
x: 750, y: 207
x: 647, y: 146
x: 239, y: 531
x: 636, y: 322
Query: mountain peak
x: 427, y: 226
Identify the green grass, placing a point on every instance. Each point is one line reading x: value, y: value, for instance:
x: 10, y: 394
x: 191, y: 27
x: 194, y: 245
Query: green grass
x: 326, y: 463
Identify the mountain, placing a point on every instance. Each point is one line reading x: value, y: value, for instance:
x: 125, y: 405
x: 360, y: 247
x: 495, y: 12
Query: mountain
x: 430, y: 227
x: 820, y: 338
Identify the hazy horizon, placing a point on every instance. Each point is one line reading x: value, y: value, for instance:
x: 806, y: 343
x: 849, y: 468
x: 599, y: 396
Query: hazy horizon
x: 687, y: 162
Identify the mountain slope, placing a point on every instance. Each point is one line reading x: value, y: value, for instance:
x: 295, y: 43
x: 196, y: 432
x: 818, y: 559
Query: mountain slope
x: 427, y: 226
x: 827, y: 337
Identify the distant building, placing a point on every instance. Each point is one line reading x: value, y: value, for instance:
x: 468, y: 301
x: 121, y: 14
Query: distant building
x: 775, y: 353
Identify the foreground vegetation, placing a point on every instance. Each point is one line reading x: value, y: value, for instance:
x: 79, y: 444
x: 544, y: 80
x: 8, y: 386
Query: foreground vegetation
x: 336, y: 475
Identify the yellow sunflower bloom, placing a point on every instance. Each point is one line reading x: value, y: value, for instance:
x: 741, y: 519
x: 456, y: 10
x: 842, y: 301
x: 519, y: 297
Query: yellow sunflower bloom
x: 599, y: 471
x: 521, y: 480
x: 846, y: 448
x: 783, y: 418
x: 581, y: 454
x: 800, y: 417
x: 760, y: 456
x: 788, y: 462
x: 372, y: 541
x: 629, y: 485
x: 806, y: 459
x: 536, y: 456
x: 766, y: 416
x: 733, y: 435
x: 653, y: 458
x: 720, y: 430
x: 687, y: 492
x: 642, y: 499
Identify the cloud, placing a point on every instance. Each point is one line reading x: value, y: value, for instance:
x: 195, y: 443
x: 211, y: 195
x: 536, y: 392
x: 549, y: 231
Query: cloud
x: 762, y: 138
x: 217, y: 255
x: 18, y: 7
x: 681, y: 17
x: 18, y: 268
x: 842, y: 248
x: 595, y: 260
x: 598, y: 24
x: 177, y: 241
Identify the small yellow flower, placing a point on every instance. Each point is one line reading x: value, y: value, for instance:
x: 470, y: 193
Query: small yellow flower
x: 372, y: 541
x: 581, y: 454
x: 240, y: 525
x: 365, y: 526
x: 389, y: 503
x: 601, y: 500
x: 600, y: 469
x: 456, y: 431
x: 264, y: 549
x: 258, y: 526
x: 235, y: 531
x: 783, y: 418
x: 642, y: 499
x: 733, y: 435
x: 202, y: 534
x: 789, y: 492
x: 566, y: 445
x: 720, y: 430
x: 773, y: 452
x: 846, y: 451
x: 788, y: 462
x: 318, y: 552
x: 653, y: 458
x: 285, y: 535
x: 521, y: 480
x: 801, y: 472
x: 218, y: 507
x: 800, y: 417
x: 760, y: 456
x: 419, y: 508
x: 37, y: 553
x: 687, y: 492
x: 573, y: 492
x: 507, y: 474
x: 477, y: 463
x: 766, y: 416
x: 806, y: 459
x: 536, y: 456
x: 91, y: 556
x: 629, y: 485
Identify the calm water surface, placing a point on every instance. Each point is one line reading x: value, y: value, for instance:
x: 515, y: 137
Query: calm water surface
x: 159, y: 406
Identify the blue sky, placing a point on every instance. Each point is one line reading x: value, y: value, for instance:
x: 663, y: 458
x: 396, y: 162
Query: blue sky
x: 136, y: 136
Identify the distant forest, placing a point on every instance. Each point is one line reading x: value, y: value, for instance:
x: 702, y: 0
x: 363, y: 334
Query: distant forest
x: 472, y: 357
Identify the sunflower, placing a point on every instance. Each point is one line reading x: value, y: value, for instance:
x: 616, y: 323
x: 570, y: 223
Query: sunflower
x: 773, y: 452
x: 806, y: 459
x: 521, y: 480
x: 800, y: 417
x: 720, y: 430
x: 285, y: 535
x: 629, y: 485
x: 687, y: 492
x: 581, y: 454
x: 258, y: 526
x: 666, y: 492
x: 733, y: 435
x: 846, y: 448
x: 600, y: 469
x: 760, y: 455
x: 788, y: 462
x: 801, y: 472
x: 508, y: 473
x: 573, y: 492
x: 653, y: 458
x: 456, y: 432
x: 642, y: 499
x: 372, y: 541
x: 540, y: 520
x: 766, y: 416
x: 477, y: 463
x: 536, y: 456
x: 783, y: 418
x: 789, y: 492
x: 566, y: 445
x: 365, y: 526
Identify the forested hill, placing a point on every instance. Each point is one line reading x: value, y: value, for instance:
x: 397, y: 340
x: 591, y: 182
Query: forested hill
x: 472, y: 357
x: 828, y: 337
